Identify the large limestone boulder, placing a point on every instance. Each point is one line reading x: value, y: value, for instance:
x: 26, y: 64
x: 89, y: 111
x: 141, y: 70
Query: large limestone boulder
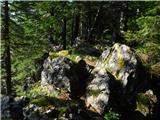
x: 122, y: 62
x: 97, y: 95
x: 61, y: 72
x: 114, y: 76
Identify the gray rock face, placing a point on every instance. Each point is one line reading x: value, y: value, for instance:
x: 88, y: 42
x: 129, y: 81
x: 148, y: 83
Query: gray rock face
x: 98, y: 92
x: 121, y: 61
x: 61, y: 72
x: 12, y: 107
x: 31, y: 112
x: 55, y: 72
x: 5, y: 104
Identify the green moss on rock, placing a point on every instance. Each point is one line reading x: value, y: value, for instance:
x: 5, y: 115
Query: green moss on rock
x: 94, y: 92
x: 41, y: 101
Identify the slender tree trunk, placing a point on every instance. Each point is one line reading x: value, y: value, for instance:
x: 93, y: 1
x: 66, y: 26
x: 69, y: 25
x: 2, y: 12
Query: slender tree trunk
x: 94, y: 23
x: 126, y: 17
x: 7, y: 43
x: 73, y: 22
x: 116, y: 33
x: 75, y: 29
x: 89, y: 21
x: 64, y: 33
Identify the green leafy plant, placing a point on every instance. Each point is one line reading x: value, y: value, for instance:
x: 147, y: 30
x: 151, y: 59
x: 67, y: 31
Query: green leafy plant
x: 35, y: 90
x: 111, y: 116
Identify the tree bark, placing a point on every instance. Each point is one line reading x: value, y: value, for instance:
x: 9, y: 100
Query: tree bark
x: 72, y: 39
x: 89, y: 21
x: 64, y: 33
x: 7, y: 46
x: 94, y: 23
x: 75, y: 28
x: 126, y: 17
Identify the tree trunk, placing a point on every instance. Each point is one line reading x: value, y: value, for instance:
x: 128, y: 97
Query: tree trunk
x: 72, y: 39
x: 7, y: 46
x: 126, y: 17
x: 94, y: 23
x: 75, y: 28
x: 89, y: 21
x: 64, y: 33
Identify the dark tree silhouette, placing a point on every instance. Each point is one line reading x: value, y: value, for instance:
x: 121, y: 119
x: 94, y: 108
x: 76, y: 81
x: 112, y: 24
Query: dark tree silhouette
x: 7, y: 47
x: 75, y: 27
x: 64, y: 33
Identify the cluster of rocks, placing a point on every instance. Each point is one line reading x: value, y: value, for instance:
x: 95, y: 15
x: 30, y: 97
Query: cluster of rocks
x: 117, y: 65
x: 113, y: 82
x: 64, y: 110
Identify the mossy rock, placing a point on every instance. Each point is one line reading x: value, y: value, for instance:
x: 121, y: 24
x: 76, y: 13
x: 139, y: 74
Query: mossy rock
x: 41, y: 101
x: 145, y: 103
x: 53, y: 54
x: 62, y: 53
x: 94, y: 92
x: 155, y: 69
x: 143, y: 99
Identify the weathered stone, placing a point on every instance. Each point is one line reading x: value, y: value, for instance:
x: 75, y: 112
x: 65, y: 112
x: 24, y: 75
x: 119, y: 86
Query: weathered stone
x: 155, y: 69
x: 5, y: 105
x: 58, y: 109
x: 12, y: 107
x: 61, y: 72
x: 55, y: 72
x: 146, y: 102
x: 97, y: 95
x: 121, y: 61
x: 39, y: 65
x: 56, y: 47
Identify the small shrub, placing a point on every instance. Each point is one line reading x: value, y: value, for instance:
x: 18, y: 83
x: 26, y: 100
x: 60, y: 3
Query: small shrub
x: 35, y: 90
x: 111, y: 116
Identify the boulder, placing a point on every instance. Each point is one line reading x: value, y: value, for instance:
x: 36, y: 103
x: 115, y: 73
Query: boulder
x: 61, y: 72
x: 146, y: 102
x: 5, y: 105
x: 122, y: 62
x: 39, y: 66
x: 97, y: 95
x: 12, y: 107
x: 55, y: 72
x: 114, y: 76
x: 57, y: 109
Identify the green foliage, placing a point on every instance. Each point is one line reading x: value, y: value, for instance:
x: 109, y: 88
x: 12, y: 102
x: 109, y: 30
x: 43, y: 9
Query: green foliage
x: 35, y: 90
x: 143, y: 99
x: 62, y: 110
x: 146, y: 40
x: 111, y: 116
x: 145, y: 103
x: 72, y: 56
x: 42, y: 101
